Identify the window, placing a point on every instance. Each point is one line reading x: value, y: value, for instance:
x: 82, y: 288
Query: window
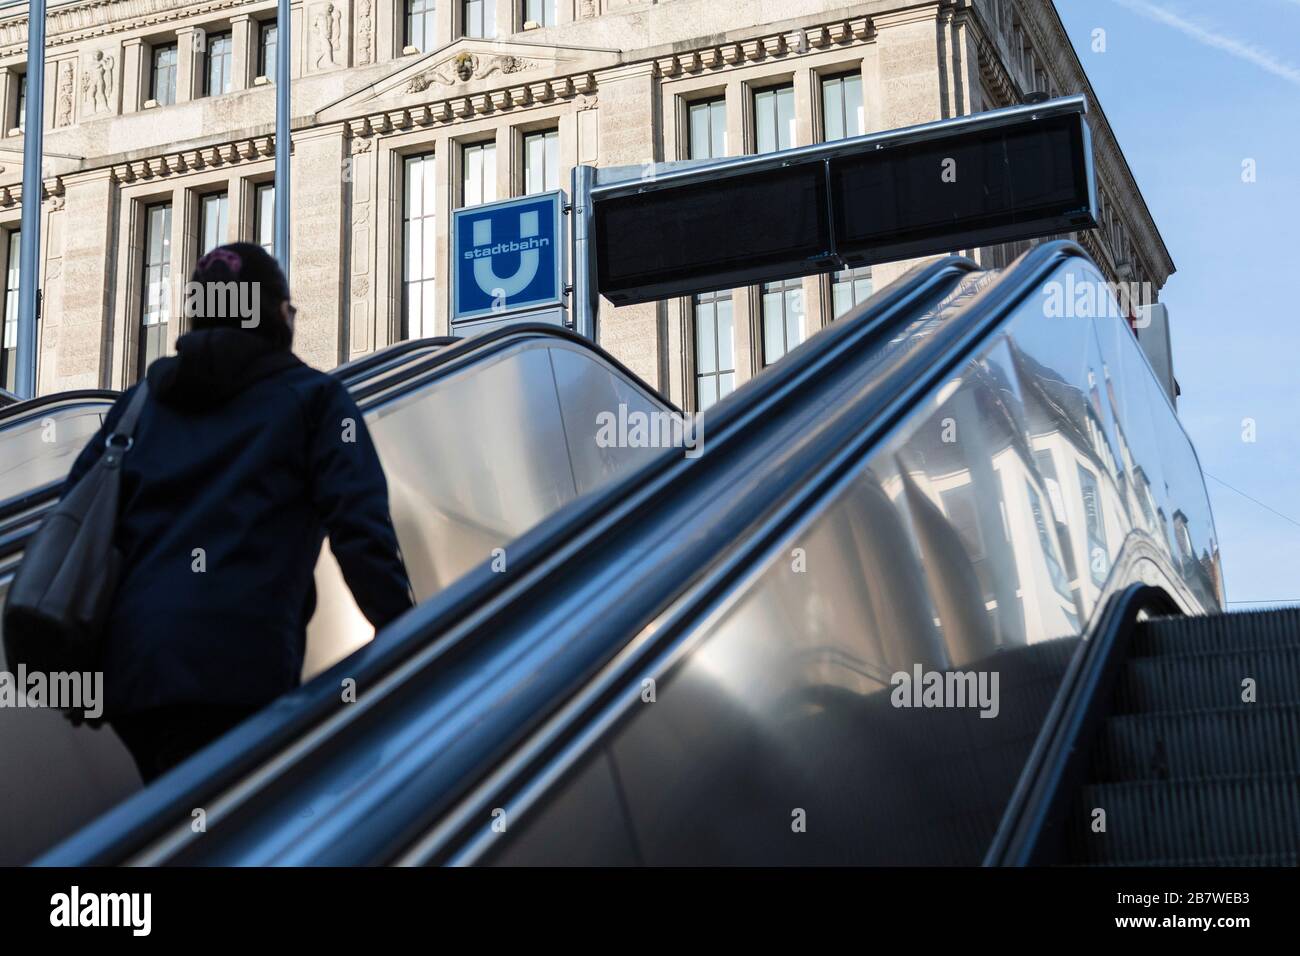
x: 264, y: 216
x: 421, y: 25
x: 774, y: 119
x: 842, y: 107
x: 21, y: 110
x: 715, y: 349
x: 155, y: 294
x: 267, y: 41
x: 541, y: 12
x: 707, y: 129
x: 783, y: 318
x: 9, y: 352
x: 478, y: 174
x: 542, y: 161
x: 480, y: 18
x: 220, y: 52
x: 1098, y: 556
x: 850, y: 287
x: 419, y: 241
x: 162, y: 88
x: 213, y: 220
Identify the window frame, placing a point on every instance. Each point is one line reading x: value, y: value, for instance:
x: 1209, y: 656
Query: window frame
x: 155, y: 51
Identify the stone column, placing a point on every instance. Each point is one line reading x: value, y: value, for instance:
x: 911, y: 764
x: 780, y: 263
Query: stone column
x: 190, y: 45
x: 318, y: 234
x: 629, y: 135
x: 390, y: 29
x: 134, y: 90
x: 243, y: 55
x: 79, y: 317
x: 8, y: 100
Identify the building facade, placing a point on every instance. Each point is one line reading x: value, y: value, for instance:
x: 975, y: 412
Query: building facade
x: 159, y: 141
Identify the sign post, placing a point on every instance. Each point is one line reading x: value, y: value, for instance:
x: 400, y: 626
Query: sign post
x: 508, y: 262
x: 29, y: 268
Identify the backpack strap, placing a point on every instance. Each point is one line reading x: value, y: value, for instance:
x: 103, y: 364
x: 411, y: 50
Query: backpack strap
x: 125, y: 427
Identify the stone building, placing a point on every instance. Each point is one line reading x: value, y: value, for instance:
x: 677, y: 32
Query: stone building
x: 159, y: 119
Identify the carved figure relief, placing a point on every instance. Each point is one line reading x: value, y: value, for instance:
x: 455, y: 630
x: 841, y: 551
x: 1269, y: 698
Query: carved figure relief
x: 97, y: 82
x: 326, y: 24
x: 64, y: 96
x: 365, y: 29
x: 465, y: 67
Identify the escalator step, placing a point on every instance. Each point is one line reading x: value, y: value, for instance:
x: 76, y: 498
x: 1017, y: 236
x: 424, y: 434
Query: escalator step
x: 1191, y: 822
x: 1242, y: 631
x: 1284, y: 858
x: 1229, y: 741
x: 1208, y: 681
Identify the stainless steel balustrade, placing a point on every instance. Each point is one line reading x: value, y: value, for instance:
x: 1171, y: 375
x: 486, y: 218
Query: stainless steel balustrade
x: 963, y: 498
x: 474, y: 456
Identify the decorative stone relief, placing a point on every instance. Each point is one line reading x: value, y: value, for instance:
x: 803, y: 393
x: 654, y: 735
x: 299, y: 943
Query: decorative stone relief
x: 64, y: 96
x: 365, y: 32
x: 465, y: 67
x: 326, y: 24
x: 97, y: 82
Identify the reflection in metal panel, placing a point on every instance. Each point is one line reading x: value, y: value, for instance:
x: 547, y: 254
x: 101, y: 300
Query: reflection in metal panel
x: 982, y: 536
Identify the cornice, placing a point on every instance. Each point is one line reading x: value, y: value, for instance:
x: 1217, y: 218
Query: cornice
x: 94, y: 19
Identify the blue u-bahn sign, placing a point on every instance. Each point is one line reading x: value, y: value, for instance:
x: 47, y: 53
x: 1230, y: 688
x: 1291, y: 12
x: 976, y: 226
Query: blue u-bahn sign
x: 508, y: 257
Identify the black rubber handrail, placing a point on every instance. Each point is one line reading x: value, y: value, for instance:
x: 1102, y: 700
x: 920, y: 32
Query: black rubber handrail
x: 362, y: 366
x: 12, y: 415
x: 1032, y: 829
x: 146, y: 814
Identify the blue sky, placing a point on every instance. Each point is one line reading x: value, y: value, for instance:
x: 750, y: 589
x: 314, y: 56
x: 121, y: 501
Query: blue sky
x: 1192, y: 88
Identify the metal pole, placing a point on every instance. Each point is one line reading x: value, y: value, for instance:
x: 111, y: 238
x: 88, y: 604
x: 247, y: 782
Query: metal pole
x: 586, y: 294
x: 29, y: 262
x: 283, y: 46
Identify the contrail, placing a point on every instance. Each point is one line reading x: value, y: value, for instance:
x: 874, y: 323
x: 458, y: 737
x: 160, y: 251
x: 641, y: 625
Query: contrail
x: 1238, y: 48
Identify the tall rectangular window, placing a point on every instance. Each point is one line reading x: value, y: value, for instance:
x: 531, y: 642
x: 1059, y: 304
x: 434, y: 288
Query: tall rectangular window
x: 850, y: 287
x: 155, y: 292
x: 783, y: 318
x: 220, y: 55
x: 480, y: 18
x: 214, y: 217
x: 715, y: 348
x: 162, y: 83
x: 421, y: 25
x: 267, y: 43
x: 419, y: 240
x: 774, y: 119
x: 21, y: 111
x: 842, y: 114
x: 9, y: 353
x: 707, y: 129
x: 541, y: 12
x: 478, y: 173
x: 264, y: 216
x: 542, y: 161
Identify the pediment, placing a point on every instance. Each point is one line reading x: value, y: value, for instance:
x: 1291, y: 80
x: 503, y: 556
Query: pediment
x: 468, y: 67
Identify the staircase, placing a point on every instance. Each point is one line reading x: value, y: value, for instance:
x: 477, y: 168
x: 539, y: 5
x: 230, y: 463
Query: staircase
x: 1187, y: 772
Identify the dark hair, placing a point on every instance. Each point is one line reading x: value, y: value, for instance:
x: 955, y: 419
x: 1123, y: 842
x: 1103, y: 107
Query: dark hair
x: 212, y: 302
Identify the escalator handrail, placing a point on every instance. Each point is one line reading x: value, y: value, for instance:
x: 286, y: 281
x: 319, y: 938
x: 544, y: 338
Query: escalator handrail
x: 11, y: 415
x: 1031, y: 831
x: 150, y: 812
x: 361, y: 366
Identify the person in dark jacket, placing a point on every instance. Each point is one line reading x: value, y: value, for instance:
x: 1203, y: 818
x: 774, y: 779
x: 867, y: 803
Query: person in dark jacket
x: 244, y: 458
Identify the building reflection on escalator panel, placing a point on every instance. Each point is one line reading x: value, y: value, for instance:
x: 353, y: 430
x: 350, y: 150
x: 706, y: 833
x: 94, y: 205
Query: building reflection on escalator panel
x: 517, y: 448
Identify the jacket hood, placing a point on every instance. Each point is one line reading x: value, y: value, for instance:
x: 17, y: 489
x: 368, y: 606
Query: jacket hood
x: 212, y: 366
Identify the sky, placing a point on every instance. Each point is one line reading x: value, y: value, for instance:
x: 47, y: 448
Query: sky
x: 1193, y: 89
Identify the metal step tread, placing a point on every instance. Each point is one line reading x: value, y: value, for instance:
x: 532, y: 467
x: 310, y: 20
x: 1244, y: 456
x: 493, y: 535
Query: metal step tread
x: 1250, y: 815
x: 1208, y: 681
x: 1182, y: 744
x: 1240, y: 630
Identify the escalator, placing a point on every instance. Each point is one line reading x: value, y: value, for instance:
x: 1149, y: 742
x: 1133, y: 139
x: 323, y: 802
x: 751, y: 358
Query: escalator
x: 480, y: 439
x: 877, y: 621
